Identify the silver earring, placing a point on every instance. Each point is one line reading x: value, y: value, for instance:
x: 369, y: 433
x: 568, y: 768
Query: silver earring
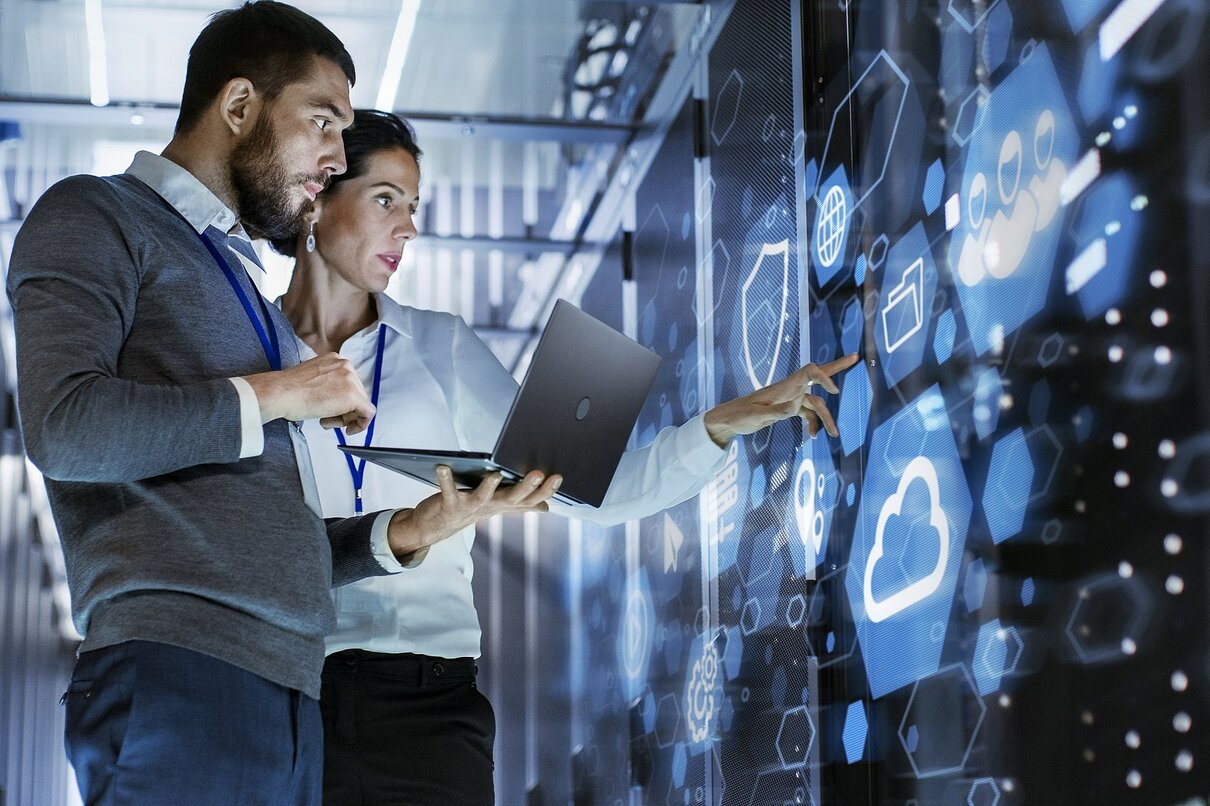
x: 311, y: 238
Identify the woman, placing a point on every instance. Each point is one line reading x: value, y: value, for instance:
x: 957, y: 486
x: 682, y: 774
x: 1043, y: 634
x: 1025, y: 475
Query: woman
x: 403, y: 720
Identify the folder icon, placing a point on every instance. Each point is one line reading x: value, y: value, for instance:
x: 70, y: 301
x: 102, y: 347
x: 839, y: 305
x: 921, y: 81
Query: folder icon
x: 903, y: 315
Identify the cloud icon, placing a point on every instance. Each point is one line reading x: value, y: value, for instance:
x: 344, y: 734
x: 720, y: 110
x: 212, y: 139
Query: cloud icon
x: 881, y: 609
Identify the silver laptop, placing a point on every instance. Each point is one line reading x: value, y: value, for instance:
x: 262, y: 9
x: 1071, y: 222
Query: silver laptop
x: 573, y: 414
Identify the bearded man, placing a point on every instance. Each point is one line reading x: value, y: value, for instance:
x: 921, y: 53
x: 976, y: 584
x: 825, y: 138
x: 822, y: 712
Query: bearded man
x: 160, y: 395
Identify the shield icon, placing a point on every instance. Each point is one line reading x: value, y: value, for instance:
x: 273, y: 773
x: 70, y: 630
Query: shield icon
x: 762, y: 317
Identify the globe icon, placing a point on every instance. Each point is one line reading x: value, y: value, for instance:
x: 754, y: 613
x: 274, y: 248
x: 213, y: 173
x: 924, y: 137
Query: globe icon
x: 830, y: 226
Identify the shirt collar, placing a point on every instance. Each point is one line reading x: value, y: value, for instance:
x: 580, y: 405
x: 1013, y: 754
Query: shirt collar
x: 184, y: 191
x: 393, y: 315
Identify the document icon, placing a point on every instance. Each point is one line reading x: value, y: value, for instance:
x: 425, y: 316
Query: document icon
x: 903, y: 315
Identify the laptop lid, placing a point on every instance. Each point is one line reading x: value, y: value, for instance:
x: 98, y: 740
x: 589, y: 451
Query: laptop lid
x: 578, y: 404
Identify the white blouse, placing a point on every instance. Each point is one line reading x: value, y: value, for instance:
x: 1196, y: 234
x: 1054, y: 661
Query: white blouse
x: 442, y: 388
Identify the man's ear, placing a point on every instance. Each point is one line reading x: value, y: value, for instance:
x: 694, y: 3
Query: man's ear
x: 240, y: 105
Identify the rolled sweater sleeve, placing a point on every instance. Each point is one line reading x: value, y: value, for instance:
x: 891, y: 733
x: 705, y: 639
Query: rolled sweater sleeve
x: 74, y: 284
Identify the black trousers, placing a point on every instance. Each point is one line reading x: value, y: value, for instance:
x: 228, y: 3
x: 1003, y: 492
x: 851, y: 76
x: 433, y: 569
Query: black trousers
x: 405, y: 729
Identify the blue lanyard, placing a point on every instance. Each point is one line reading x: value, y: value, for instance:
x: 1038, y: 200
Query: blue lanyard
x: 357, y: 469
x: 267, y: 335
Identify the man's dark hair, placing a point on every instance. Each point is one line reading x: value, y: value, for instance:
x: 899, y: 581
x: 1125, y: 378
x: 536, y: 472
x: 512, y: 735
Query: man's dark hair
x: 371, y: 132
x: 271, y: 44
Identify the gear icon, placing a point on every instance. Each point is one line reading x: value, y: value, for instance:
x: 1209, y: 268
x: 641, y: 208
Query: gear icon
x: 699, y: 713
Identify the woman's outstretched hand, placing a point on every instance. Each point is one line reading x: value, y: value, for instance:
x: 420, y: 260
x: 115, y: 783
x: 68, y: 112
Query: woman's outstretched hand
x: 787, y: 398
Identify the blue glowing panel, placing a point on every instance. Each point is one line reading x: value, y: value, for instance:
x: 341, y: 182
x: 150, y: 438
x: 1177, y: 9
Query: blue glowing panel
x: 1097, y: 81
x: 1009, y: 480
x: 816, y: 492
x: 853, y: 416
x: 914, y: 513
x: 855, y: 729
x: 997, y: 652
x: 974, y: 586
x: 1002, y: 253
x: 901, y: 324
x: 998, y: 36
x: 1107, y: 232
x: 832, y: 226
x: 986, y: 409
x: 943, y: 340
x: 824, y: 345
x: 852, y: 324
x: 1081, y: 12
x: 970, y: 13
x: 957, y: 60
x: 934, y: 186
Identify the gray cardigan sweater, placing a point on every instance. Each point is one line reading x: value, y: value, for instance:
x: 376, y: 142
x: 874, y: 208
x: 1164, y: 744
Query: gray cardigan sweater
x: 127, y: 333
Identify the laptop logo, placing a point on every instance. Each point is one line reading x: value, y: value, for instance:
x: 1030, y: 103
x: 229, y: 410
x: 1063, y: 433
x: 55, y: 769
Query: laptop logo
x: 582, y: 409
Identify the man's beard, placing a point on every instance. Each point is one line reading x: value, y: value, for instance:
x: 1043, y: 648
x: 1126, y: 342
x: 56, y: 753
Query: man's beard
x: 262, y: 189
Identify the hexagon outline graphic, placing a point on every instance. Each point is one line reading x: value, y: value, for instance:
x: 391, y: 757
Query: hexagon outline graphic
x: 781, y: 248
x: 966, y: 676
x: 969, y: 25
x: 979, y: 97
x: 1046, y: 431
x: 1010, y: 477
x: 806, y: 751
x: 718, y: 256
x: 880, y: 247
x: 884, y: 58
x: 676, y: 721
x: 818, y: 592
x: 796, y: 601
x: 1141, y: 613
x: 749, y: 623
x: 987, y: 663
x: 979, y: 783
x: 718, y: 106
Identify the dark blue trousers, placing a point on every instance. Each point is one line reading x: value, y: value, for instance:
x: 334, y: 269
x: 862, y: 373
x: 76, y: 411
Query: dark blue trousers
x: 149, y: 723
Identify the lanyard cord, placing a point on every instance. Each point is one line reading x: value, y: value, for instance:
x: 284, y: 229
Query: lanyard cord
x: 357, y: 468
x: 267, y: 336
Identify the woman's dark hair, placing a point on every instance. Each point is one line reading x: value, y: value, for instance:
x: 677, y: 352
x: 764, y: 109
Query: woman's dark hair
x: 271, y: 44
x: 371, y: 132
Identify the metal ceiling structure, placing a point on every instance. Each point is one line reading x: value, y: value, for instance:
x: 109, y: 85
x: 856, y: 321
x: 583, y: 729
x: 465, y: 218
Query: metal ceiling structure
x: 532, y: 125
x: 526, y: 110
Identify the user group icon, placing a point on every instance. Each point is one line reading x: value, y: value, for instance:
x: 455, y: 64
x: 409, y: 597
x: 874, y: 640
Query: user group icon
x: 1004, y: 248
x: 911, y: 526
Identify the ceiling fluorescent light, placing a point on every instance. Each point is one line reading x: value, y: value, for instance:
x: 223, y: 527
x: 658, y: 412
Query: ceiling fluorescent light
x: 98, y: 79
x: 397, y: 55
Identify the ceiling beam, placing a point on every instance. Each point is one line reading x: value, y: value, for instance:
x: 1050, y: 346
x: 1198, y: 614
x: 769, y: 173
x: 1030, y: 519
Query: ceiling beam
x: 428, y: 125
x: 483, y: 243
